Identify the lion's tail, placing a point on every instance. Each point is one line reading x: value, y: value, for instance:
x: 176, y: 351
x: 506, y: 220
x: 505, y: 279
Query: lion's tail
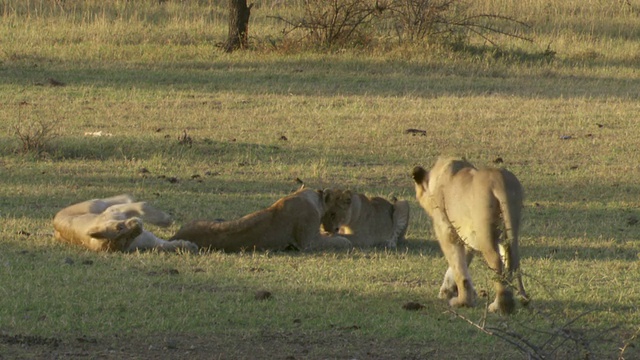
x: 511, y: 208
x: 400, y: 222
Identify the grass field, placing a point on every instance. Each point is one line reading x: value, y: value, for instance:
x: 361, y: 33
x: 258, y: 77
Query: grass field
x: 567, y: 126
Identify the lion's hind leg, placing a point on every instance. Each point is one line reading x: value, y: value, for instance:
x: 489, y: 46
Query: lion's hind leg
x: 454, y: 251
x: 507, y: 253
x: 504, y: 301
x: 449, y: 288
x: 142, y: 210
x: 456, y: 257
x: 98, y: 206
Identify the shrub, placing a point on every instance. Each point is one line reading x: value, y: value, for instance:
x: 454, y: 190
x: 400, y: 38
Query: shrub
x: 35, y: 136
x: 344, y: 22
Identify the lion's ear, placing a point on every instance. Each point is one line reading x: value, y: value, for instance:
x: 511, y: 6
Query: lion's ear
x: 420, y: 175
x: 326, y: 195
x: 347, y: 197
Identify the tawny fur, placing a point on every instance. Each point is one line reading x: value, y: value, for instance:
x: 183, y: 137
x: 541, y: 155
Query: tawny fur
x: 114, y: 224
x: 468, y: 208
x: 365, y: 221
x: 292, y: 222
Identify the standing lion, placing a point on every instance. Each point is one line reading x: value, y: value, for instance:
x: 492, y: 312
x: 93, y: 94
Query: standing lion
x: 468, y: 207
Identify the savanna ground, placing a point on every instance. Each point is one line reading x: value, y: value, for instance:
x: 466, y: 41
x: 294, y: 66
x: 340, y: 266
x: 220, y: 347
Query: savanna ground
x: 565, y: 122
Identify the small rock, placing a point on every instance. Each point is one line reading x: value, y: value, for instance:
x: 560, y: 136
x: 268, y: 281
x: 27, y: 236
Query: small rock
x: 171, y: 344
x: 68, y: 261
x: 415, y: 132
x: 54, y: 82
x: 412, y: 306
x: 262, y: 295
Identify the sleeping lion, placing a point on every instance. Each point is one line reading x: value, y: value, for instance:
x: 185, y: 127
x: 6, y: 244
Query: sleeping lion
x: 114, y: 224
x: 365, y: 221
x: 292, y: 222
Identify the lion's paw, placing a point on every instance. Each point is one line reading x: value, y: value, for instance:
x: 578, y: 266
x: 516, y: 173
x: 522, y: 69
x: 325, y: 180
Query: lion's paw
x: 461, y: 302
x: 449, y: 287
x: 182, y: 245
x: 116, y: 229
x: 340, y: 242
x: 447, y: 293
x: 392, y: 243
x: 131, y: 224
x: 504, y: 303
x: 189, y: 246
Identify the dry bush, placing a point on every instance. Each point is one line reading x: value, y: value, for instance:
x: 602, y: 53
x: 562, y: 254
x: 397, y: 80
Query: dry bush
x: 555, y: 336
x: 35, y: 136
x: 334, y: 22
x: 346, y: 22
x: 417, y: 20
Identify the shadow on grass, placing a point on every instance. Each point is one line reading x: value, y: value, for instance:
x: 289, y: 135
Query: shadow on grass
x: 328, y: 77
x: 299, y: 319
x: 88, y: 148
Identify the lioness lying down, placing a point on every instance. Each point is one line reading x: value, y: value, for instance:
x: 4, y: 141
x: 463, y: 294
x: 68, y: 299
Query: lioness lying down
x: 468, y: 207
x: 114, y: 224
x: 292, y: 222
x: 365, y: 221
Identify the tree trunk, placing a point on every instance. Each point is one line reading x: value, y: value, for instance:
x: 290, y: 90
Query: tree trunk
x: 239, y: 14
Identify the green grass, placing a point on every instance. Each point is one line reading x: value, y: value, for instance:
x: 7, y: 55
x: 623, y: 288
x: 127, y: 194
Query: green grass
x: 148, y: 73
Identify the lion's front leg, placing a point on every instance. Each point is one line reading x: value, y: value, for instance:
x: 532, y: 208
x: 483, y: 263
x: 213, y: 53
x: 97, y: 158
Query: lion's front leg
x: 328, y: 242
x: 148, y: 241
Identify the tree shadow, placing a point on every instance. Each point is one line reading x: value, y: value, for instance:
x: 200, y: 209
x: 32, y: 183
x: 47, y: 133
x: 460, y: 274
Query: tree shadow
x: 328, y: 77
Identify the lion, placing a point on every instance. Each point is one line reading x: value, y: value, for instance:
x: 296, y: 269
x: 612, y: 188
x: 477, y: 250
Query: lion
x: 292, y: 222
x: 114, y: 224
x: 468, y: 206
x: 365, y: 221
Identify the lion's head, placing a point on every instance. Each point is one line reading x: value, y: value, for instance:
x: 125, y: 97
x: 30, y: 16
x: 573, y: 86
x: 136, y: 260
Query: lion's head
x: 337, y: 204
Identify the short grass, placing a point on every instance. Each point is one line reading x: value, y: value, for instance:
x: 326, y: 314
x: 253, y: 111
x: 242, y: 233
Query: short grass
x: 568, y: 128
